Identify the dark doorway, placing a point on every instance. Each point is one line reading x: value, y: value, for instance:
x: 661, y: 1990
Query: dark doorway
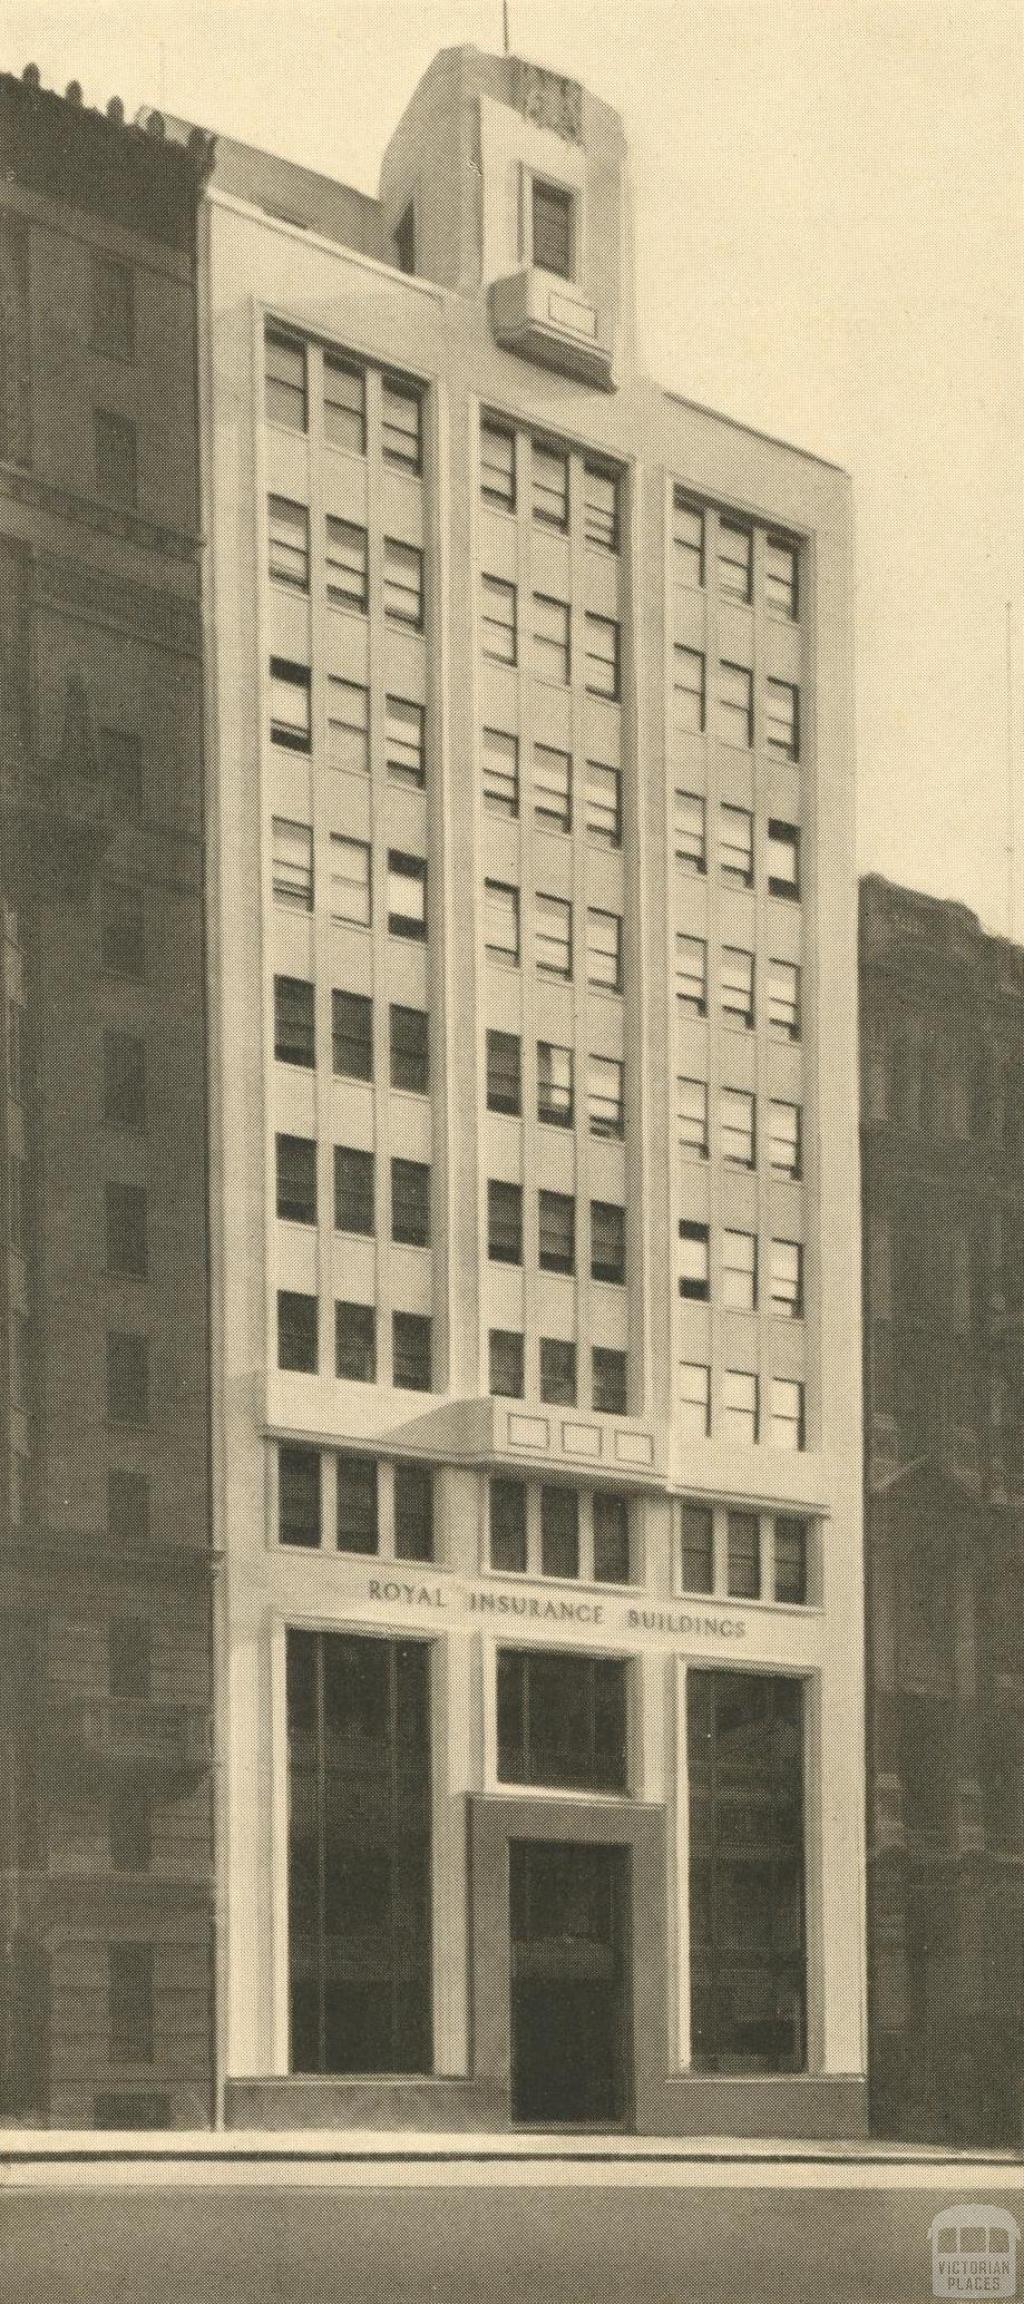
x: 570, y: 1984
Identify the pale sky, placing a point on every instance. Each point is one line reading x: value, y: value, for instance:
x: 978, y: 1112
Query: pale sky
x: 830, y: 228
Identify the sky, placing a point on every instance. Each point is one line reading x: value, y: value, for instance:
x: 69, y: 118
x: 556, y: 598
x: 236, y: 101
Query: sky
x: 830, y: 238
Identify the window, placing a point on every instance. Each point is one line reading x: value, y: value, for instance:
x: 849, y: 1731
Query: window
x: 130, y: 2003
x: 554, y: 1085
x: 689, y: 689
x: 504, y: 1222
x: 294, y: 1032
x: 288, y: 532
x: 344, y: 404
x: 113, y: 308
x: 507, y: 1502
x: 121, y: 758
x: 353, y: 1189
x: 735, y: 705
x: 782, y: 719
x: 414, y: 1512
x: 498, y: 620
x: 740, y: 1406
x: 405, y: 239
x: 698, y: 1534
x: 358, y: 1528
x: 604, y: 805
x: 298, y: 1496
x: 116, y: 460
x: 787, y: 1414
x: 506, y: 1364
x: 791, y: 1561
x: 126, y: 1229
x: 737, y: 986
x: 551, y: 643
x: 608, y: 1242
x: 694, y: 1262
x: 500, y: 755
x: 123, y: 932
x: 787, y: 1271
x: 692, y: 1116
x: 348, y: 726
x: 609, y: 1370
x: 692, y: 974
x: 497, y: 465
x: 127, y: 1378
x: 124, y: 1080
x: 604, y: 950
x: 290, y: 711
x: 553, y: 934
x: 552, y: 788
x: 784, y: 999
x: 350, y: 881
x: 562, y: 1720
x: 600, y: 508
x: 690, y: 839
x: 355, y: 1343
x: 743, y: 1555
x: 504, y: 1072
x: 739, y: 1144
x: 602, y: 651
x: 687, y: 541
x: 735, y: 560
x: 694, y: 1398
x: 783, y: 859
x: 285, y: 381
x: 557, y: 1232
x: 401, y: 424
x: 736, y: 846
x: 411, y: 1351
x: 747, y: 1960
x: 552, y: 218
x: 405, y: 741
x: 403, y: 583
x: 784, y: 1138
x: 297, y: 1332
x: 780, y: 578
x: 407, y: 895
x: 410, y: 1050
x: 549, y: 486
x: 611, y: 1538
x: 410, y: 1203
x: 352, y: 1035
x: 557, y: 1372
x: 739, y: 1271
x: 606, y: 1103
x: 559, y: 1532
x: 292, y: 864
x: 348, y: 565
x: 296, y: 1179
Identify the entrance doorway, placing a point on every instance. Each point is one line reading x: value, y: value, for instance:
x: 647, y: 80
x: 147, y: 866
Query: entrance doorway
x: 568, y: 1908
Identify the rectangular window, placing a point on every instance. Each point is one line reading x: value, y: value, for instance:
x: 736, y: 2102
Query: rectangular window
x: 609, y: 1373
x: 557, y: 1372
x: 687, y: 541
x: 552, y: 219
x: 736, y: 846
x: 355, y: 1343
x: 117, y: 480
x: 407, y: 895
x: 608, y: 1242
x: 507, y: 1514
x: 498, y: 620
x: 781, y: 589
x: 783, y: 860
x: 694, y: 1399
x: 352, y: 1035
x: 348, y: 726
x: 124, y: 1080
x: 554, y: 1085
x: 739, y: 1271
x: 401, y: 424
x: 497, y: 465
x: 782, y: 719
x: 414, y: 1512
x: 602, y: 640
x: 288, y: 533
x: 740, y: 1406
x: 344, y: 404
x: 500, y: 758
x: 127, y: 1230
x: 353, y: 1189
x: 549, y: 486
x: 351, y: 898
x: 698, y: 1548
x: 552, y: 788
x: 504, y: 1222
x: 787, y: 1414
x: 604, y: 950
x: 130, y: 2003
x: 551, y: 638
x: 689, y: 816
x: 291, y: 722
x: 358, y: 1527
x: 735, y: 560
x: 506, y: 1364
x: 747, y: 1962
x: 562, y: 1720
x: 123, y: 932
x: 735, y: 705
x: 405, y: 742
x: 412, y: 1351
x: 410, y: 1203
x: 737, y: 986
x: 603, y: 804
x: 284, y: 381
x: 692, y: 1116
x: 784, y: 999
x: 559, y: 1532
x: 348, y: 565
x: 784, y: 1139
x: 557, y: 1232
x: 297, y: 1332
x: 688, y: 683
x: 298, y: 1497
x: 600, y: 508
x: 787, y: 1272
x: 612, y: 1564
x: 127, y: 1378
x: 296, y: 1179
x: 292, y: 865
x: 739, y: 1140
x: 504, y: 1072
x: 553, y: 936
x: 791, y: 1561
x: 403, y: 583
x: 743, y: 1555
x: 294, y: 1026
x: 606, y: 1098
x: 410, y: 1050
x: 694, y: 1262
x: 692, y: 974
x: 113, y: 308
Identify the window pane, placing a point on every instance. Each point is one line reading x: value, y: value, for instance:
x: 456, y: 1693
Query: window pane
x: 553, y: 936
x: 355, y: 1343
x: 550, y: 638
x: 739, y: 1271
x: 554, y: 1084
x: 735, y: 705
x: 791, y: 1561
x: 353, y: 1190
x: 288, y: 530
x: 344, y: 405
x: 350, y: 881
x: 296, y: 1332
x: 602, y: 658
x: 784, y: 999
x: 401, y: 433
x: 504, y: 1084
x: 692, y: 974
x: 347, y: 564
x: 735, y: 560
x: 498, y: 619
x: 405, y: 742
x: 357, y: 1524
x: 557, y: 1372
x: 783, y: 859
x: 412, y: 1351
x: 552, y: 216
x: 784, y: 1147
x: 698, y: 1548
x: 787, y: 1414
x: 788, y: 1278
x: 744, y: 1555
x: 736, y: 847
x: 410, y: 1050
x: 296, y: 1179
x: 506, y: 1364
x: 352, y: 1034
x: 687, y: 542
x: 557, y: 1247
x: 285, y: 381
x: 504, y: 1222
x: 414, y: 1512
x: 782, y: 719
x: 549, y: 493
x: 298, y: 1496
x: 407, y: 895
x: 692, y: 1116
x: 410, y: 1203
x: 552, y: 788
x: 604, y: 950
x: 611, y: 1538
x: 737, y: 986
x: 600, y: 508
x: 694, y: 1262
x: 691, y: 847
x: 294, y: 1038
x: 607, y: 1241
x: 604, y: 805
x: 498, y: 466
x: 695, y: 1398
x: 740, y: 1406
x: 609, y: 1369
x: 559, y: 1532
x: 348, y: 726
x: 501, y: 921
x: 290, y: 719
x: 780, y: 578
x: 500, y: 755
x: 403, y: 583
x: 508, y: 1526
x: 746, y: 1872
x: 738, y: 1140
x: 606, y: 1096
x: 292, y: 864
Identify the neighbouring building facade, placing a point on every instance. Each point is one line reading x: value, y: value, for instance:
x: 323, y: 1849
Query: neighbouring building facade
x: 942, y: 1007
x: 106, y: 1900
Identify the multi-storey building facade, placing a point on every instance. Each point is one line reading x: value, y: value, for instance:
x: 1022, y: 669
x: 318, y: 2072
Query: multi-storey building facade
x: 943, y: 1183
x: 105, y: 1798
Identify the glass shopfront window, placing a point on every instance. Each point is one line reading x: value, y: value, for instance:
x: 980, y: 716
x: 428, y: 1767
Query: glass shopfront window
x: 748, y: 1957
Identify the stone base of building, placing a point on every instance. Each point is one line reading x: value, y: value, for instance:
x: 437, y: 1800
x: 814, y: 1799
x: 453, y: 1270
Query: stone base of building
x: 805, y: 2105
